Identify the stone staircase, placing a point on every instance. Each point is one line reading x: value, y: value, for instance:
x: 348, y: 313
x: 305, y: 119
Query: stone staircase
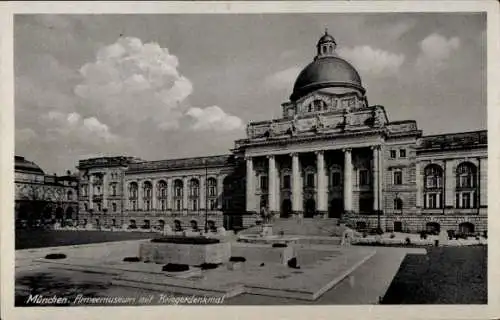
x: 306, y: 227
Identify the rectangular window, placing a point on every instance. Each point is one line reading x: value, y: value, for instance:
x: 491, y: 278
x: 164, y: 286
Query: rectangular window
x: 432, y: 201
x: 402, y: 153
x: 134, y: 205
x: 212, y: 204
x: 286, y: 182
x: 310, y: 180
x: 364, y: 177
x: 195, y: 205
x: 398, y: 177
x: 336, y: 179
x: 263, y: 183
x: 393, y: 154
x: 178, y: 205
x: 466, y: 203
x: 113, y: 205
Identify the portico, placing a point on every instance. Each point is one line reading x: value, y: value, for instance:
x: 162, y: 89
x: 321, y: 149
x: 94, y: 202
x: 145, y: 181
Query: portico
x: 321, y: 182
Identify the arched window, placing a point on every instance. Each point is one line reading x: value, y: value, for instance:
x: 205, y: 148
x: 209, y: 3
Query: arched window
x: 466, y: 175
x: 162, y: 189
x: 398, y: 204
x: 133, y: 190
x: 194, y: 188
x: 148, y: 190
x: 466, y: 187
x: 113, y: 189
x: 212, y: 187
x: 113, y: 206
x: 433, y: 182
x: 178, y: 185
x: 70, y: 195
x: 335, y: 176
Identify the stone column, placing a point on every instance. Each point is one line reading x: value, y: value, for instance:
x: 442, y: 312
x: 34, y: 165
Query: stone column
x: 272, y: 184
x: 347, y: 181
x: 381, y: 182
x: 419, y: 177
x: 375, y: 173
x: 140, y: 195
x: 185, y: 193
x: 250, y: 186
x: 104, y: 191
x: 449, y: 188
x: 322, y: 184
x: 203, y: 192
x: 220, y: 191
x: 296, y: 186
x: 91, y: 192
x: 154, y: 195
x: 170, y: 194
x: 483, y: 183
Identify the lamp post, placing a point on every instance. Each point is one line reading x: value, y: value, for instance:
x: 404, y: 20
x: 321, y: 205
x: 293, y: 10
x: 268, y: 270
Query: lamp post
x: 206, y: 196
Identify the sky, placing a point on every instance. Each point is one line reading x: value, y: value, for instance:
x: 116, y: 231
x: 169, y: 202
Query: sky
x: 170, y: 86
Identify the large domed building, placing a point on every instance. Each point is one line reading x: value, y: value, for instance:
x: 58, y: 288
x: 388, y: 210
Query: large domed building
x: 331, y: 155
x: 41, y: 198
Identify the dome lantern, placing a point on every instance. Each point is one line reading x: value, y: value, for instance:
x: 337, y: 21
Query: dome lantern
x: 326, y: 45
x: 327, y: 70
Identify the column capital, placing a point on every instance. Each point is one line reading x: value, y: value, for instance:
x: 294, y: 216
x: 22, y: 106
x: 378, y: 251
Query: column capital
x: 375, y: 147
x: 294, y: 154
x: 319, y: 152
x: 346, y: 150
x: 248, y: 158
x: 270, y: 156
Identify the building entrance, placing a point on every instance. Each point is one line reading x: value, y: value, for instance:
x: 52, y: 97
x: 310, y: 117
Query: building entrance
x: 310, y: 208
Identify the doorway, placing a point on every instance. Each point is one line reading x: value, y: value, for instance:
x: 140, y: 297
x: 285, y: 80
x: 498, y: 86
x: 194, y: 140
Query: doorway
x: 336, y: 208
x: 286, y: 208
x: 310, y: 208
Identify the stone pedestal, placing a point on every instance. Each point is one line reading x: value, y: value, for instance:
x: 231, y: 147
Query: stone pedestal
x: 267, y: 230
x: 443, y: 238
x: 190, y: 254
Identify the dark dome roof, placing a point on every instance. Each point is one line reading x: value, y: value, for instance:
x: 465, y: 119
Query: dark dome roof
x: 326, y: 38
x: 327, y: 71
x: 21, y: 164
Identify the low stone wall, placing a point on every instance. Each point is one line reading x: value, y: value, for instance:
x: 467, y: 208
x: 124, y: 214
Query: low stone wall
x: 418, y: 223
x: 190, y: 254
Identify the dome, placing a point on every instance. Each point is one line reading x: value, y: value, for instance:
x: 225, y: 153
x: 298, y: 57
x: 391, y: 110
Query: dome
x: 324, y: 72
x: 326, y: 38
x: 21, y: 164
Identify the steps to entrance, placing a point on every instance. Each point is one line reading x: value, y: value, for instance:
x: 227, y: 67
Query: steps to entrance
x: 305, y: 227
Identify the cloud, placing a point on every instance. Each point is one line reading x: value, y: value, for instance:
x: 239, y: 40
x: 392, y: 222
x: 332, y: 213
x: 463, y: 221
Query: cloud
x: 213, y: 118
x: 372, y: 60
x: 133, y: 82
x: 283, y: 79
x: 74, y: 126
x: 435, y: 51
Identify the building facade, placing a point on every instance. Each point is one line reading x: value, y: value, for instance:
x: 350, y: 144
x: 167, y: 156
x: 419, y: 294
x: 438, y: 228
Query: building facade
x: 330, y: 155
x: 43, y: 199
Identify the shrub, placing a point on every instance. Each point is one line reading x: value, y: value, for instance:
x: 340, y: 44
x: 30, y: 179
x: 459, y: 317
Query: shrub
x: 281, y: 233
x: 379, y: 231
x: 460, y: 235
x: 237, y: 259
x: 132, y: 227
x: 365, y: 234
x: 451, y: 234
x: 392, y: 236
x: 131, y: 259
x: 292, y: 263
x: 407, y: 240
x: 175, y: 267
x: 208, y: 266
x: 423, y: 235
x: 54, y: 256
x: 280, y: 245
x: 185, y: 240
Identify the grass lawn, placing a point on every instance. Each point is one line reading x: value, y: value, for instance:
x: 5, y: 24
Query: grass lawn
x: 446, y: 275
x: 28, y: 239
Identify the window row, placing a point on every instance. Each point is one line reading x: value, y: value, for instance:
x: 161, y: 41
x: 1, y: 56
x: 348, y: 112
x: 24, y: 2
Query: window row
x: 178, y: 205
x: 463, y: 200
x: 178, y: 189
x: 394, y: 153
